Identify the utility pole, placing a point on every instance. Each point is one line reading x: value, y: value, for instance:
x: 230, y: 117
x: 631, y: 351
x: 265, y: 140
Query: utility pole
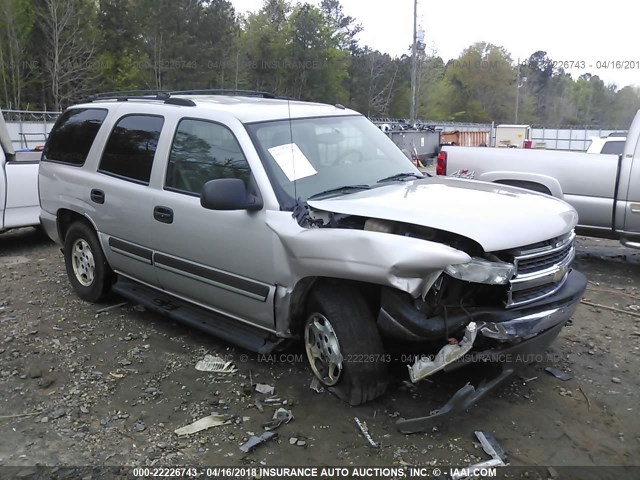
x: 414, y: 63
x: 519, y: 83
x: 517, y: 92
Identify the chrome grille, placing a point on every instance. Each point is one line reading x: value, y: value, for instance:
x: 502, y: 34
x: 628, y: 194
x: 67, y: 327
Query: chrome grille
x: 541, y: 269
x: 542, y: 261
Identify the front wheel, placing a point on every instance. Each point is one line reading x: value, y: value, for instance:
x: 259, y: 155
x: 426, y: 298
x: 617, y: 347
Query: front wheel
x: 87, y: 268
x: 343, y: 344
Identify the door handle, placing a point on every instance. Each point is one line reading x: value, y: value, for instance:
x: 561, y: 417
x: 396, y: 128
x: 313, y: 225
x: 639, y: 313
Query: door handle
x: 163, y: 214
x: 97, y: 196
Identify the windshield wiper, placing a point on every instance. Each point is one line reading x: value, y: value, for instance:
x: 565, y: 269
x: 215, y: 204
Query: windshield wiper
x: 400, y: 176
x: 343, y: 189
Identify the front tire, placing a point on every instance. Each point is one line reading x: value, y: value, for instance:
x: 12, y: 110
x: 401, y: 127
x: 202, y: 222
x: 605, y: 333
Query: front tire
x: 87, y: 268
x: 343, y: 344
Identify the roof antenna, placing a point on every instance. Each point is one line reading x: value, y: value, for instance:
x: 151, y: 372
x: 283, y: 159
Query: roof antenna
x: 293, y: 158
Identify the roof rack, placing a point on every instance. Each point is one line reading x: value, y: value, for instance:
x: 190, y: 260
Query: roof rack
x: 140, y: 95
x: 169, y: 98
x: 224, y: 91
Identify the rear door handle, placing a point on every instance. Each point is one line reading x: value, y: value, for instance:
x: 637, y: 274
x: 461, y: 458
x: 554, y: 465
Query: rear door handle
x: 163, y: 214
x: 97, y: 196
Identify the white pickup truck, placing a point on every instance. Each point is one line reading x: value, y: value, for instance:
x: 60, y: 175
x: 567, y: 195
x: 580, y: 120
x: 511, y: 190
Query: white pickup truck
x: 19, y: 202
x: 604, y: 189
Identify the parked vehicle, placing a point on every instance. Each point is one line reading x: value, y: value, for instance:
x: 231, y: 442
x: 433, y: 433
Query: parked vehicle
x: 264, y: 220
x: 604, y: 189
x: 19, y: 204
x: 610, y: 144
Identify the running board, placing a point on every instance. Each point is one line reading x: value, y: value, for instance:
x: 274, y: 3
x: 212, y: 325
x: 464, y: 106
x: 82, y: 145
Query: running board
x: 216, y: 324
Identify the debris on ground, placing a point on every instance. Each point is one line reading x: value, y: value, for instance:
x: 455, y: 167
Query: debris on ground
x: 316, y: 386
x: 215, y: 364
x: 111, y: 307
x: 365, y: 431
x: 204, y: 423
x: 265, y: 389
x: 559, y: 374
x: 279, y: 417
x: 254, y: 441
x: 492, y: 448
x: 527, y: 380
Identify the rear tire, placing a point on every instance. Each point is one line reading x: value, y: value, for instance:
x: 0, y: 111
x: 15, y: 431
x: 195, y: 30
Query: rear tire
x: 343, y: 344
x: 87, y: 268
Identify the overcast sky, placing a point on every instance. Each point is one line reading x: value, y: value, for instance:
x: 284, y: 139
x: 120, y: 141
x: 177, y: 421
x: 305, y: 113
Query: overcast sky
x: 586, y: 31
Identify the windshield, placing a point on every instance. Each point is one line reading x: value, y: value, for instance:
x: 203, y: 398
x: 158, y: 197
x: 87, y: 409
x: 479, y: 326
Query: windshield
x: 306, y: 157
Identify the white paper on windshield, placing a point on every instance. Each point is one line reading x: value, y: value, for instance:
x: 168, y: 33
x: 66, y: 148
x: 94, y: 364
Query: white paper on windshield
x: 292, y: 161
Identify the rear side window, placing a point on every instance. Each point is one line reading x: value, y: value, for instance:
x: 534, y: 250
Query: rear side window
x: 131, y: 147
x: 73, y: 134
x: 203, y: 151
x: 613, y: 147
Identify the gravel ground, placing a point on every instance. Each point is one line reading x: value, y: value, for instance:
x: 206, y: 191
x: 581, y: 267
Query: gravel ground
x: 84, y: 387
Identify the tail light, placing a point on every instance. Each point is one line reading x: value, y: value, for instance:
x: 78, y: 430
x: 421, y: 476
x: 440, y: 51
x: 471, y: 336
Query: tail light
x: 441, y: 163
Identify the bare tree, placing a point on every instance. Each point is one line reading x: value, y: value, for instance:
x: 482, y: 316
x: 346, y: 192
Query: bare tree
x: 380, y: 86
x: 69, y: 49
x: 15, y: 26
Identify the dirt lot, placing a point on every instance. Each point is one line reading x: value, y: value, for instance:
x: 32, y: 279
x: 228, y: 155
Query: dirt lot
x: 79, y: 387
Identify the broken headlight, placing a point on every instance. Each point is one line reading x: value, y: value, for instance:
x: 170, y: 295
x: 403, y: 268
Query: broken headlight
x: 479, y: 270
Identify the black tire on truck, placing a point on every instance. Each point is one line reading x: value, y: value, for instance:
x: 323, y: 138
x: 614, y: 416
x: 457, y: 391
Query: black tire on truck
x: 339, y: 325
x: 86, y: 265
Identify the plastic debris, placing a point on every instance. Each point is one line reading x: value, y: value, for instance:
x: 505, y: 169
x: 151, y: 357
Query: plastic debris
x: 279, y: 417
x: 254, y: 441
x: 273, y: 400
x: 259, y: 405
x: 492, y: 448
x: 315, y: 385
x: 215, y: 364
x: 265, y: 389
x: 559, y: 374
x: 365, y: 431
x: 204, y: 423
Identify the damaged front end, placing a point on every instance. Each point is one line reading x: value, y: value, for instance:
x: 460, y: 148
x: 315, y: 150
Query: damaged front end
x: 509, y: 323
x: 440, y: 295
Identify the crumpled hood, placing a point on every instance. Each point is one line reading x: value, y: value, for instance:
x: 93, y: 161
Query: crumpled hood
x: 496, y: 216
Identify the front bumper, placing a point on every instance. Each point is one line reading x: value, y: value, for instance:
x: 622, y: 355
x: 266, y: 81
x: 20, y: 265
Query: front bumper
x: 512, y: 339
x: 400, y: 319
x: 510, y: 359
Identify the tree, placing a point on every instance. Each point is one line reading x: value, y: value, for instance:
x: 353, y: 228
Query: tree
x: 344, y: 28
x: 483, y: 84
x: 317, y: 66
x: 16, y: 22
x: 67, y: 27
x: 538, y: 70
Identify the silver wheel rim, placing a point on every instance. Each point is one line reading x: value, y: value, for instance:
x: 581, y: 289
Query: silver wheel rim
x: 323, y: 349
x: 84, y: 266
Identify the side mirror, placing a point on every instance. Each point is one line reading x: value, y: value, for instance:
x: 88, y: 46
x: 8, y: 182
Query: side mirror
x: 228, y: 194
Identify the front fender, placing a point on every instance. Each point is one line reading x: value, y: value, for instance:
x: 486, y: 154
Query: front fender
x: 404, y: 263
x: 408, y: 264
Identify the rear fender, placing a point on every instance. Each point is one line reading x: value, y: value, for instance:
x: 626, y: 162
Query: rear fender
x: 505, y: 176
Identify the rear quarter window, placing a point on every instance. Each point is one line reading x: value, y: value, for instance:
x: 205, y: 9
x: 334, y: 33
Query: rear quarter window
x: 131, y: 148
x: 73, y: 134
x: 615, y: 147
